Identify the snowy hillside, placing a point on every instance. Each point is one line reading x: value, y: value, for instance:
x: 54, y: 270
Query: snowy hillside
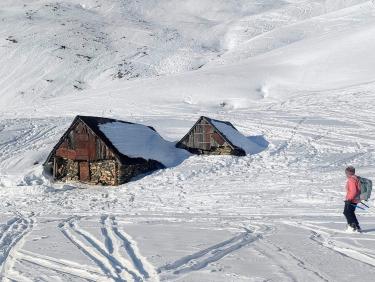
x: 297, y: 75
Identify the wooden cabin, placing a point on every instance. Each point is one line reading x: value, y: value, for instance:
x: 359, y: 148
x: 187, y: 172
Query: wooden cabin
x: 98, y: 150
x: 213, y: 137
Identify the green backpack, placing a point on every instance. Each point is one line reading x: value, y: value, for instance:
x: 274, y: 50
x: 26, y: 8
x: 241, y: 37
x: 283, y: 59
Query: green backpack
x: 365, y: 186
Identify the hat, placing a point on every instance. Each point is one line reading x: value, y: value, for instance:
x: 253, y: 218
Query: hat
x: 350, y: 169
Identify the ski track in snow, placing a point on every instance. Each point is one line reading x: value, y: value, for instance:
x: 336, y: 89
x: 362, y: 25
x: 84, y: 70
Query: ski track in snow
x: 328, y: 238
x: 109, y: 256
x: 26, y: 136
x: 120, y: 240
x: 11, y: 240
x: 61, y: 267
x: 292, y: 267
x: 201, y: 259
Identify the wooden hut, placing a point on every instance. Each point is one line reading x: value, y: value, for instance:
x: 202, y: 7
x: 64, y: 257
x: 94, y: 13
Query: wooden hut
x: 105, y: 151
x: 214, y: 137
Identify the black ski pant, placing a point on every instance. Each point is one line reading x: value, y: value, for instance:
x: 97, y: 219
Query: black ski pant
x: 349, y: 212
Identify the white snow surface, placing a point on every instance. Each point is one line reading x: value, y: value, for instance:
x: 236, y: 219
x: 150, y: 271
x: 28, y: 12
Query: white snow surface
x: 238, y: 139
x: 297, y: 74
x: 137, y: 140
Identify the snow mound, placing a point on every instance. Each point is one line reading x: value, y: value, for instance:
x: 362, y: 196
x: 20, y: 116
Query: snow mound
x: 136, y: 140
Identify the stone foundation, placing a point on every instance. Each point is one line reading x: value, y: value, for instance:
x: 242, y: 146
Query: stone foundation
x: 107, y: 172
x: 219, y: 151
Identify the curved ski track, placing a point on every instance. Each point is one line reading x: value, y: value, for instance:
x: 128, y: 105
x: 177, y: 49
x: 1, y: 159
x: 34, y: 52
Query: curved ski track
x: 118, y: 258
x: 203, y: 258
x: 326, y: 238
x: 12, y: 233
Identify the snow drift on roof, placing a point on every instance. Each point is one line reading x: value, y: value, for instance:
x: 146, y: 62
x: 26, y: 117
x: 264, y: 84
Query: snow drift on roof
x: 136, y: 140
x: 237, y: 139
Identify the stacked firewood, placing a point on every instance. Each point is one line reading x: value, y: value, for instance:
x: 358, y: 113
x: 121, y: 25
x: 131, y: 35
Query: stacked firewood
x: 103, y: 172
x: 72, y: 172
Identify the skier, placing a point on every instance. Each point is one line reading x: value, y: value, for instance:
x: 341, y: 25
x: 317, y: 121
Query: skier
x: 351, y: 199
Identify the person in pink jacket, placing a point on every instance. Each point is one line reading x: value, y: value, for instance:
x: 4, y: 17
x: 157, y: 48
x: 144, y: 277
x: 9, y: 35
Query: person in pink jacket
x: 351, y: 199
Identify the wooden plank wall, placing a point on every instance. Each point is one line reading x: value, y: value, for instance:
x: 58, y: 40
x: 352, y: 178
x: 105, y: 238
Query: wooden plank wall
x: 82, y: 144
x: 204, y: 137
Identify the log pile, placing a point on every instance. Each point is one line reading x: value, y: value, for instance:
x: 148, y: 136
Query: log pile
x: 72, y: 171
x: 103, y: 172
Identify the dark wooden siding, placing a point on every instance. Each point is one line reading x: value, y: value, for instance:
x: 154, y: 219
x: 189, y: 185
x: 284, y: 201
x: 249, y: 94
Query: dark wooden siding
x: 127, y: 172
x: 204, y: 137
x: 83, y: 156
x: 82, y: 144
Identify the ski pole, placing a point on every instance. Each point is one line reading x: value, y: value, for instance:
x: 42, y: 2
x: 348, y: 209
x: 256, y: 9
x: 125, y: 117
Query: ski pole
x: 365, y: 204
x: 358, y: 207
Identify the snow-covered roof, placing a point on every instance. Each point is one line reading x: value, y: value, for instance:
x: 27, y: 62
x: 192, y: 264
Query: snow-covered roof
x: 136, y: 140
x: 236, y: 138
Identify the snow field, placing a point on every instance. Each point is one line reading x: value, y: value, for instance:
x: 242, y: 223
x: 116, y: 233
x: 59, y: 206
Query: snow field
x: 292, y: 192
x: 295, y: 74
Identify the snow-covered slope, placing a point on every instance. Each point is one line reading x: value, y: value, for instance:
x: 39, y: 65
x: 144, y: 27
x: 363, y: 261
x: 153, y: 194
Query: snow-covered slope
x: 296, y: 74
x: 75, y: 49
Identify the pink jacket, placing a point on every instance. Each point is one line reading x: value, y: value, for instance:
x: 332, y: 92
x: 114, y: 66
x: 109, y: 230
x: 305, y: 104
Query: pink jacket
x: 352, y: 189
